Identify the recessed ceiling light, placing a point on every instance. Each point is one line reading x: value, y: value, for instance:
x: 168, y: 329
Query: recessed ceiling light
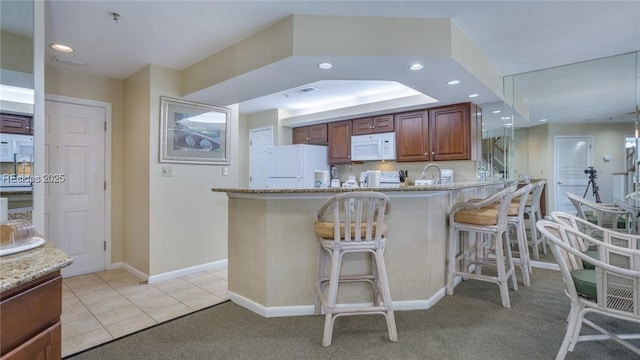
x: 60, y: 47
x: 453, y: 82
x: 496, y: 111
x: 543, y: 120
x: 416, y: 66
x: 474, y: 95
x: 325, y: 65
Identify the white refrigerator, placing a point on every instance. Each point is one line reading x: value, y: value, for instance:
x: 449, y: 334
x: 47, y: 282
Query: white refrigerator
x: 293, y: 166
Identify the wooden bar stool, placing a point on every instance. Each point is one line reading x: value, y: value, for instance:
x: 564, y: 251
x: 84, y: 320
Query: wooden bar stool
x: 467, y: 255
x: 353, y: 222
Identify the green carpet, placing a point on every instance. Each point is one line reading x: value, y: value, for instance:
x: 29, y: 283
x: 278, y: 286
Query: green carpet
x: 471, y: 324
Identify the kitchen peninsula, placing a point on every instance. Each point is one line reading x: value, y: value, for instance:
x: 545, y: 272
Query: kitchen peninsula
x: 273, y: 251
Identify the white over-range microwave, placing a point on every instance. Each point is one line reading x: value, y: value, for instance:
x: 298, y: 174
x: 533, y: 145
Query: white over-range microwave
x: 373, y: 147
x: 18, y: 148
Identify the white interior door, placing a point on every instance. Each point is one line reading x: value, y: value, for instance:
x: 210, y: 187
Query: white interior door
x: 260, y: 139
x: 75, y: 208
x: 572, y: 157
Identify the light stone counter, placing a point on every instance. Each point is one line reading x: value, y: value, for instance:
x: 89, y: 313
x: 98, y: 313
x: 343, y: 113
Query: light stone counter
x: 23, y: 267
x: 273, y: 251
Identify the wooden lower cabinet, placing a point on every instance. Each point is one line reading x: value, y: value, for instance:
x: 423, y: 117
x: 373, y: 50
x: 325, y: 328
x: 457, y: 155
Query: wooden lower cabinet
x: 30, y: 320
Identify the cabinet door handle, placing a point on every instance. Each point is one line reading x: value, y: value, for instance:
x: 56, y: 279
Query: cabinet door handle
x: 373, y: 127
x: 433, y: 153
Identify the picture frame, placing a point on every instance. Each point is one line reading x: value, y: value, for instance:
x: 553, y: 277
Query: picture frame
x: 193, y: 133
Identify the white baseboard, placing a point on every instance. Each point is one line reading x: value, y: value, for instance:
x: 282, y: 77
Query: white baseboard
x: 135, y: 272
x: 186, y: 271
x: 168, y: 275
x: 301, y: 310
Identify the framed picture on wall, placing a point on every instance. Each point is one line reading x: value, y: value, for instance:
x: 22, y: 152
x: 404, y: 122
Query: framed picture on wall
x: 193, y: 133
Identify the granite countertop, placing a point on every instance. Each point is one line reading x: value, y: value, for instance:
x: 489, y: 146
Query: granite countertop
x: 22, y: 267
x: 16, y: 191
x: 454, y: 186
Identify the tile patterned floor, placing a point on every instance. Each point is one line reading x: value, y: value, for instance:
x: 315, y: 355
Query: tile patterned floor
x: 100, y: 307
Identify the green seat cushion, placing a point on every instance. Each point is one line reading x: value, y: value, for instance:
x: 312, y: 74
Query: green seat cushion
x: 585, y: 281
x: 592, y: 253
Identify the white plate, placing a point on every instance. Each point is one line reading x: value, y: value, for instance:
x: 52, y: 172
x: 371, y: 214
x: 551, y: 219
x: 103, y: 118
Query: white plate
x: 33, y: 243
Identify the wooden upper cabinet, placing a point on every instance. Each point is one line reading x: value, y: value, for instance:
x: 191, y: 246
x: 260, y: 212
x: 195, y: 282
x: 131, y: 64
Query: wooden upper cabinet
x: 340, y: 142
x: 449, y: 132
x: 301, y: 135
x: 16, y: 124
x: 313, y: 134
x: 376, y: 124
x: 412, y: 136
x: 452, y: 132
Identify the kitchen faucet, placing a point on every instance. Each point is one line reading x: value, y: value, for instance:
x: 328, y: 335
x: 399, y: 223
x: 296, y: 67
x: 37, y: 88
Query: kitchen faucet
x: 424, y: 172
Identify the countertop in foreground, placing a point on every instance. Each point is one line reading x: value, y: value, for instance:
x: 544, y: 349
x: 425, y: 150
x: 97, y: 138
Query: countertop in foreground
x: 455, y: 186
x: 22, y: 267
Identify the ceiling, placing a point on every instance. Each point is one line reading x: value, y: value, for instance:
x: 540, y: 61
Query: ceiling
x: 516, y: 36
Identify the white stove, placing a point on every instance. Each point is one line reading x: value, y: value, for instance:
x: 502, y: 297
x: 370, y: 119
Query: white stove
x: 389, y: 179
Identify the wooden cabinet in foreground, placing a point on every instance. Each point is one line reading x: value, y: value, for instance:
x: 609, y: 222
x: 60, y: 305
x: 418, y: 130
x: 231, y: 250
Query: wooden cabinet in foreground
x: 312, y: 134
x: 340, y: 142
x: 30, y: 320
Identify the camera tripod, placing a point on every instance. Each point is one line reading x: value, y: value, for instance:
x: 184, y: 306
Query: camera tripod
x: 594, y: 187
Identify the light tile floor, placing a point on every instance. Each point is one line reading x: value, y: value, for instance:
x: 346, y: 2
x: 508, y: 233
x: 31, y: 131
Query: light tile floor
x: 100, y: 307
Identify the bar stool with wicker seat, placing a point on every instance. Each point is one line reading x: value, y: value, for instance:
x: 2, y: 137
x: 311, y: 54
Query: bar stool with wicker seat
x: 352, y: 222
x: 467, y: 255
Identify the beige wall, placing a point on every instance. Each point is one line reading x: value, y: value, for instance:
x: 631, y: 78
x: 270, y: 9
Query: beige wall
x: 158, y: 224
x: 16, y: 52
x: 188, y: 222
x: 136, y: 171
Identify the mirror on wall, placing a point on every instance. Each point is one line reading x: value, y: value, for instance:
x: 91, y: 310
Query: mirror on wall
x: 568, y: 118
x: 497, y: 140
x: 16, y: 106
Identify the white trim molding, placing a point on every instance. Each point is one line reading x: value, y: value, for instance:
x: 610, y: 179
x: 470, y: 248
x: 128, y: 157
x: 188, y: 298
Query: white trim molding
x: 187, y: 271
x: 303, y: 310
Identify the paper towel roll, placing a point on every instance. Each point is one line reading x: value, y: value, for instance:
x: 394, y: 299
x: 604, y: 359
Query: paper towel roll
x: 4, y: 210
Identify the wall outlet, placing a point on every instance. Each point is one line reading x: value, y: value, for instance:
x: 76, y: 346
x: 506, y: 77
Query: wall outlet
x: 225, y: 171
x: 167, y: 171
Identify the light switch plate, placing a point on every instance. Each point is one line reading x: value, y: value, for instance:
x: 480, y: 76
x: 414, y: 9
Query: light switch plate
x: 225, y: 171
